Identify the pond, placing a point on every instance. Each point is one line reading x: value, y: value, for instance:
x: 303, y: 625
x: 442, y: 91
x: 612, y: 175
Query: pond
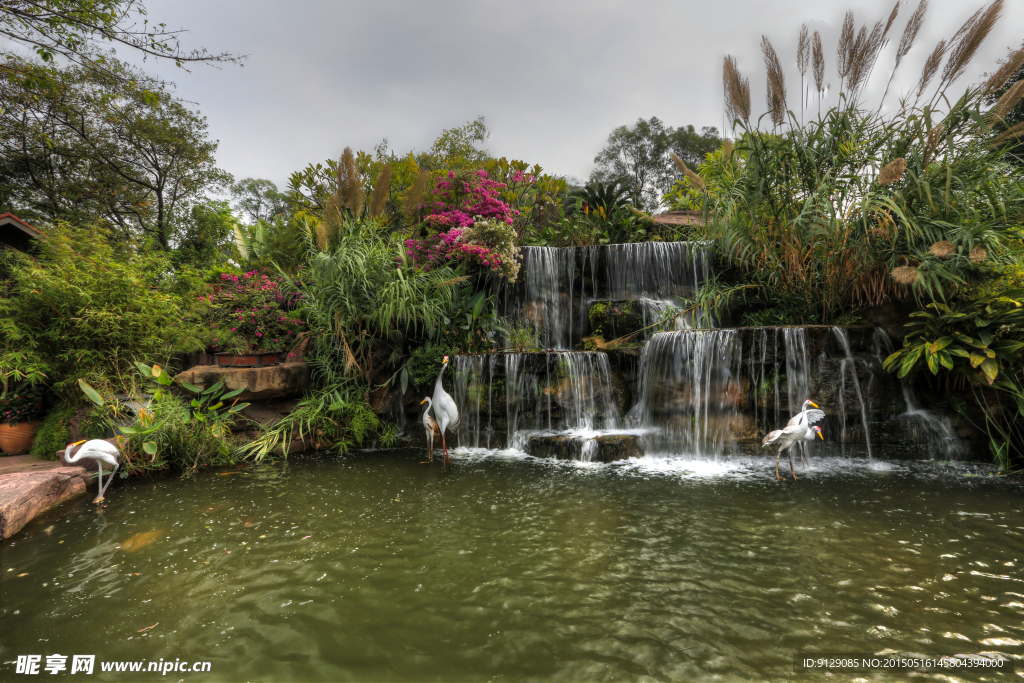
x: 374, y: 566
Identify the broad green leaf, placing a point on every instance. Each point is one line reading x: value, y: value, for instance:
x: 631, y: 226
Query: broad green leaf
x: 191, y: 387
x: 933, y: 364
x: 977, y: 359
x: 128, y: 430
x: 149, y: 447
x: 144, y: 369
x: 892, y: 360
x: 232, y: 394
x: 957, y: 351
x: 237, y: 407
x: 945, y: 359
x: 991, y: 369
x: 215, y: 388
x: 196, y: 403
x: 985, y: 337
x: 93, y: 395
x: 1005, y: 346
x: 941, y: 343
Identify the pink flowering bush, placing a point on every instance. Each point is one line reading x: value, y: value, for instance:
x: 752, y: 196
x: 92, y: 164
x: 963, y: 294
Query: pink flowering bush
x: 470, y: 223
x: 256, y: 313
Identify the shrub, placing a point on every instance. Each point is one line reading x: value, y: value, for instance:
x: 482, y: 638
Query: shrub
x: 83, y: 310
x: 23, y: 403
x: 256, y: 313
x: 54, y: 432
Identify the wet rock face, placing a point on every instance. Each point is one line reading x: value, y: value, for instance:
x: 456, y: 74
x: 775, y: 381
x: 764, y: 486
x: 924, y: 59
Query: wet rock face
x: 606, y: 449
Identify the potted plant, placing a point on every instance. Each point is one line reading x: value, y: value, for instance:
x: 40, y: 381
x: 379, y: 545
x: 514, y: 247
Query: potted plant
x: 20, y: 410
x: 257, y: 322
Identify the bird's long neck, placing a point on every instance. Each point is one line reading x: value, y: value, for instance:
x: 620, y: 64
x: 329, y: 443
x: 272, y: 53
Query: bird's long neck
x: 440, y: 375
x: 71, y: 458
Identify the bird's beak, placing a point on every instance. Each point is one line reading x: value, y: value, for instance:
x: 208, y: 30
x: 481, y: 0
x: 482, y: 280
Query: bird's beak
x: 819, y: 432
x: 813, y: 404
x: 423, y: 401
x: 79, y: 443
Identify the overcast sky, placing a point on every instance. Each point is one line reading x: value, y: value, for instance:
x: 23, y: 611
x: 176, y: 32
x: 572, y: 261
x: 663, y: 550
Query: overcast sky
x: 552, y: 78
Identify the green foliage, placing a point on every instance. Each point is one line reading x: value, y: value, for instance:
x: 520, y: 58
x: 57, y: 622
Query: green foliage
x: 856, y: 208
x: 455, y: 148
x: 205, y: 239
x: 167, y: 430
x: 54, y: 432
x: 425, y: 363
x: 638, y: 156
x: 81, y: 311
x: 111, y: 143
x: 1015, y: 116
x: 979, y: 339
x: 74, y: 32
x: 337, y: 416
x: 257, y: 199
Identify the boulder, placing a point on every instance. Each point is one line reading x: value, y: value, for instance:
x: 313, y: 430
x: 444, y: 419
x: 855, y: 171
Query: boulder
x: 262, y: 383
x: 23, y: 495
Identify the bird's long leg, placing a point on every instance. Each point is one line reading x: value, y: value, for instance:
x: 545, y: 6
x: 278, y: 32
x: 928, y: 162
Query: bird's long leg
x: 444, y: 453
x: 803, y: 454
x: 791, y: 470
x: 777, y: 454
x: 99, y: 496
x: 110, y: 478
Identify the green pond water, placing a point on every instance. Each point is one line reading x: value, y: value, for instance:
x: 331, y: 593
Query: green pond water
x: 374, y: 567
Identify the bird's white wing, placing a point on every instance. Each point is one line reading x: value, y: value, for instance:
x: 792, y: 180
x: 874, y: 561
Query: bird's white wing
x: 771, y: 438
x: 806, y: 418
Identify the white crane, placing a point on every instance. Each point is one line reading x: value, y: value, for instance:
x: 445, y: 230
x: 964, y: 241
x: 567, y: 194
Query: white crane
x: 430, y: 425
x: 807, y: 418
x: 102, y: 452
x: 445, y: 412
x: 786, y: 438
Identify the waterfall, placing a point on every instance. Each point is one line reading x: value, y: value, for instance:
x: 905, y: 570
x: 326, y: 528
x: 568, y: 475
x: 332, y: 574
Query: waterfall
x: 935, y: 430
x: 558, y: 392
x: 557, y: 284
x: 848, y: 363
x: 689, y: 391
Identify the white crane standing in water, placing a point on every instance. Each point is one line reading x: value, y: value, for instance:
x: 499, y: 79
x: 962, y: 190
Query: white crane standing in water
x: 102, y: 452
x: 430, y: 425
x: 806, y: 418
x: 445, y: 412
x: 786, y: 439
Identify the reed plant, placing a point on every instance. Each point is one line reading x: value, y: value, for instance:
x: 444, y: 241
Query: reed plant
x: 855, y: 206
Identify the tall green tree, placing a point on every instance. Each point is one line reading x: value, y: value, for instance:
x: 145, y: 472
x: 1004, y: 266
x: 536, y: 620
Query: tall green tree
x: 257, y: 199
x: 79, y: 31
x: 118, y: 147
x: 638, y: 157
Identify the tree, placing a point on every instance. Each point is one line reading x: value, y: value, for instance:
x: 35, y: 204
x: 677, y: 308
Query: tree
x: 256, y: 199
x: 638, y: 157
x: 119, y: 147
x: 76, y: 31
x: 205, y: 239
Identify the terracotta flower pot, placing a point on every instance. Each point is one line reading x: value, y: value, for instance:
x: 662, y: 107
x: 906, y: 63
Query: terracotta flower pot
x: 255, y: 359
x: 18, y: 438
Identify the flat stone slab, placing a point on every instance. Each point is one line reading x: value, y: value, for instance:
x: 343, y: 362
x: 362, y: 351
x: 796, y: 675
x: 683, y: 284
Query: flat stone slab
x: 23, y: 495
x: 272, y: 381
x: 25, y: 463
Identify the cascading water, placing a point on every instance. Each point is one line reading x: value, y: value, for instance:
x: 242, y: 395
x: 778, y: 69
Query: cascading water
x: 689, y: 391
x: 935, y: 430
x: 849, y: 364
x: 563, y: 392
x: 558, y: 284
